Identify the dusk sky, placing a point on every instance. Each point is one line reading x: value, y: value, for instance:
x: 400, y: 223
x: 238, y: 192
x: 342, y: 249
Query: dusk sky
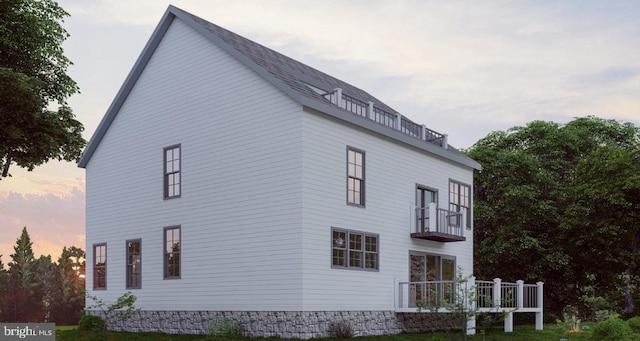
x: 464, y: 68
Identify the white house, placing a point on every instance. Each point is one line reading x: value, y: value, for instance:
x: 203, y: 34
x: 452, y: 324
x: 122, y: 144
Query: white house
x: 228, y: 180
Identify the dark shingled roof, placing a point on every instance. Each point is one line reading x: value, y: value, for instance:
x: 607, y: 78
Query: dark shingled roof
x: 284, y: 73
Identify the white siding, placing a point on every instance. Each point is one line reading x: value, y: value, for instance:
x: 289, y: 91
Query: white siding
x: 391, y: 174
x: 240, y: 210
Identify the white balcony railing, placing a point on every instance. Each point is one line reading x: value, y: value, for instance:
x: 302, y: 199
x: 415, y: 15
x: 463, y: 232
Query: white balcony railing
x: 485, y: 296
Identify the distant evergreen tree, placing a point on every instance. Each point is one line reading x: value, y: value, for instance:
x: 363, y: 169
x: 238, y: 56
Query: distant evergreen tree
x: 23, y: 303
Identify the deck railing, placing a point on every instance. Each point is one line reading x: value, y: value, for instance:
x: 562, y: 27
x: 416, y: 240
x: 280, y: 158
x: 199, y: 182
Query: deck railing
x: 434, y: 219
x: 484, y: 296
x: 385, y: 118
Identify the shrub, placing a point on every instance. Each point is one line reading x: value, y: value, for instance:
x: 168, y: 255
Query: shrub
x: 341, y: 329
x: 225, y: 328
x: 612, y: 329
x: 634, y: 323
x: 92, y: 327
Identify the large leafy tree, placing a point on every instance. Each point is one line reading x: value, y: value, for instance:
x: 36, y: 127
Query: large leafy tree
x: 548, y: 202
x: 33, y: 75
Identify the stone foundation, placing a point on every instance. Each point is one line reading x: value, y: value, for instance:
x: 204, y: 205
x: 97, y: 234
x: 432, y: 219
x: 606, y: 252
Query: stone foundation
x: 283, y: 324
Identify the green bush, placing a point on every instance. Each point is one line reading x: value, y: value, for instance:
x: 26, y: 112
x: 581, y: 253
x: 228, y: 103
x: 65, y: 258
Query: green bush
x: 612, y: 329
x: 225, y: 328
x: 341, y: 329
x: 91, y: 327
x: 634, y: 323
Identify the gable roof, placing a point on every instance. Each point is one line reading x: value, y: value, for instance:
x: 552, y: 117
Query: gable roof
x: 313, y: 89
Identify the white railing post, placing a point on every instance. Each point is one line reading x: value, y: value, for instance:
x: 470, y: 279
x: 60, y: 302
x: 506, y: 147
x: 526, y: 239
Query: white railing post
x: 370, y: 113
x: 520, y: 294
x: 338, y: 92
x: 508, y: 321
x: 539, y: 295
x: 497, y: 286
x: 445, y: 141
x: 463, y: 223
x: 423, y: 132
x: 433, y: 217
x: 471, y: 305
x: 398, y: 121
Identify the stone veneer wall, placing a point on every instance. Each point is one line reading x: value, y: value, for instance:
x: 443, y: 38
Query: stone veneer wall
x: 284, y: 324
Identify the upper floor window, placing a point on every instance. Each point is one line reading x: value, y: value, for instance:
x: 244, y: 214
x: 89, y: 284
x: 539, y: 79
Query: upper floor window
x: 134, y: 264
x: 354, y: 250
x: 172, y: 251
x: 460, y: 199
x: 172, y: 171
x: 100, y: 266
x: 355, y: 176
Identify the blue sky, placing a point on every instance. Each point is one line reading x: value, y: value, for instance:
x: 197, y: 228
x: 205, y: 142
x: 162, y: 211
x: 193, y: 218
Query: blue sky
x: 464, y: 68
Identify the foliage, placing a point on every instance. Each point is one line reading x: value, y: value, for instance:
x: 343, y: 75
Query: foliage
x: 37, y: 290
x: 612, y: 329
x: 33, y: 75
x: 225, y: 328
x: 91, y: 327
x: 570, y: 322
x: 548, y: 192
x: 122, y: 309
x: 456, y: 301
x: 341, y: 329
x: 634, y: 324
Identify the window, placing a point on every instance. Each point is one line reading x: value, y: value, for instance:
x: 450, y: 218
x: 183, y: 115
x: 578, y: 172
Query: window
x: 172, y: 252
x: 429, y: 267
x: 355, y: 177
x: 460, y: 199
x: 100, y: 266
x: 172, y: 172
x: 134, y: 264
x: 354, y: 250
x: 424, y: 197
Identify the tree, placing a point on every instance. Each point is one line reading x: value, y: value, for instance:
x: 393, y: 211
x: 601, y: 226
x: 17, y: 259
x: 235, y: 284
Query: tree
x: 537, y: 212
x: 33, y: 75
x: 4, y: 291
x: 69, y: 298
x: 23, y: 305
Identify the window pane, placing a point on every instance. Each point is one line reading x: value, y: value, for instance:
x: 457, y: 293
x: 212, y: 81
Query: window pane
x: 355, y: 241
x: 371, y: 244
x: 371, y: 260
x: 355, y: 259
x: 358, y: 172
x: 339, y: 257
x: 339, y: 239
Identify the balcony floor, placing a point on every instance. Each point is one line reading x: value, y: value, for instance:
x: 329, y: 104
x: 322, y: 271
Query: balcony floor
x: 438, y: 236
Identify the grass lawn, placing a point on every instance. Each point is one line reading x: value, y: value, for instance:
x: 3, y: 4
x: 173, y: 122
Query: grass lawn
x: 521, y: 333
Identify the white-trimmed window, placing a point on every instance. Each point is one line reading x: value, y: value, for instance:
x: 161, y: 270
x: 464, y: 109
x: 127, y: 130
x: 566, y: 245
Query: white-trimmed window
x: 172, y: 181
x: 354, y: 250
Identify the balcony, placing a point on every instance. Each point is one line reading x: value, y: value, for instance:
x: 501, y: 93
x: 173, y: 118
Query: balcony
x: 493, y: 296
x: 433, y: 223
x: 392, y: 120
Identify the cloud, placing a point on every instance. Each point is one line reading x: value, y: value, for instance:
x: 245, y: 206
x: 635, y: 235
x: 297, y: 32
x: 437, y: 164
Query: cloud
x: 53, y: 221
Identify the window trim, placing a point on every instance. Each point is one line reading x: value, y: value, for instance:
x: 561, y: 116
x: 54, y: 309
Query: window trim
x: 362, y: 180
x: 95, y: 268
x: 127, y: 264
x: 347, y: 250
x: 165, y: 253
x: 165, y: 178
x: 460, y: 184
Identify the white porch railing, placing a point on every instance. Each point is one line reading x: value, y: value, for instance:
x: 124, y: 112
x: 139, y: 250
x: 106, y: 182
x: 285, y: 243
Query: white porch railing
x: 487, y: 296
